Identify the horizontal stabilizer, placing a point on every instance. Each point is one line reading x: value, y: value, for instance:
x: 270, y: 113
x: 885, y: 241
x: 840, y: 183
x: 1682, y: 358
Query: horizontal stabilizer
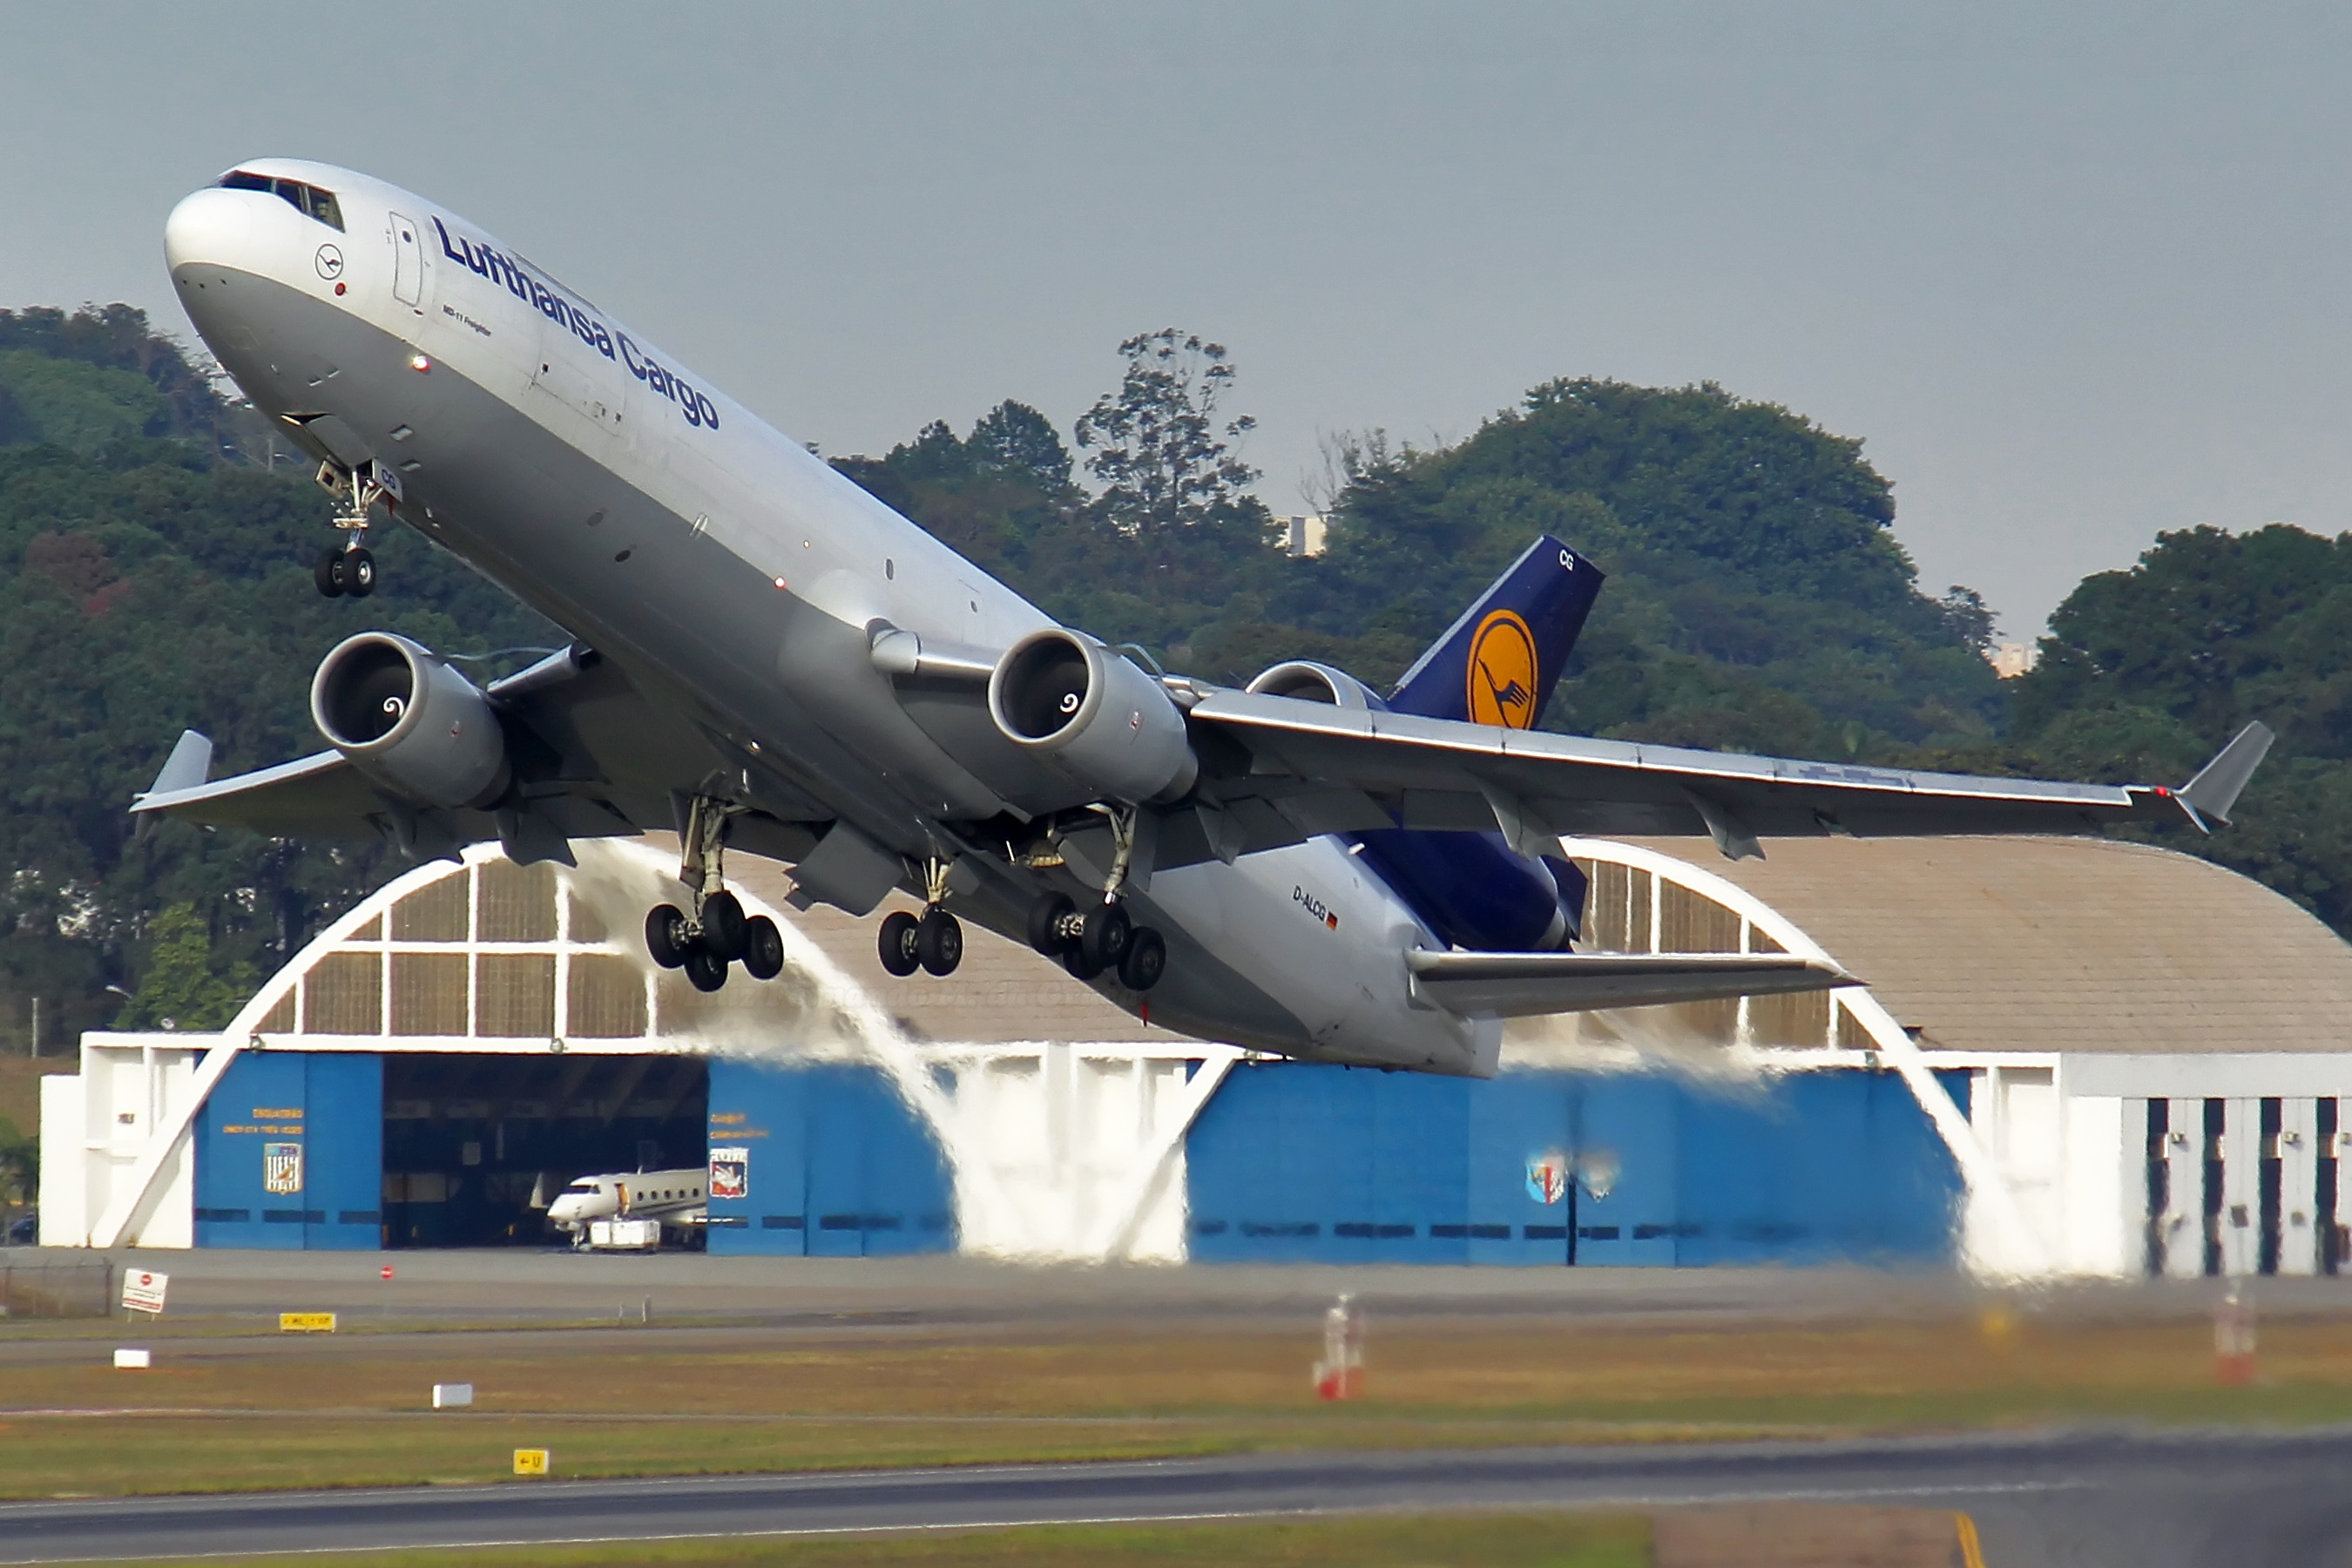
x: 2213, y: 793
x: 1522, y: 984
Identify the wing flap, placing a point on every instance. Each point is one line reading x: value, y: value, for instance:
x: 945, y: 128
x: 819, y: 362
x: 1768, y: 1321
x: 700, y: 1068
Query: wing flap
x: 1523, y: 984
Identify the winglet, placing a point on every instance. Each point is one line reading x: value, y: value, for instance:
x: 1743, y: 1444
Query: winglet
x: 2213, y: 792
x: 190, y: 764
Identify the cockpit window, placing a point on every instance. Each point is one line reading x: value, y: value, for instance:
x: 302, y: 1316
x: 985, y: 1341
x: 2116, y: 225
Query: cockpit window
x: 308, y: 200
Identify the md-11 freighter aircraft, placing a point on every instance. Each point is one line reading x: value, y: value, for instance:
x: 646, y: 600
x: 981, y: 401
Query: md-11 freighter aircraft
x: 765, y: 657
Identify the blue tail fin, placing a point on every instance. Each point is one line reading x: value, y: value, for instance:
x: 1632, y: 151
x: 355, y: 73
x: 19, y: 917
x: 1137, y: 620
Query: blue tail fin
x: 1497, y: 664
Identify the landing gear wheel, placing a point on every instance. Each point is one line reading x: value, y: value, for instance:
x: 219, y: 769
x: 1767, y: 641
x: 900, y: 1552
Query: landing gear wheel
x: 897, y: 942
x: 1076, y: 962
x: 764, y: 948
x: 1104, y: 936
x: 704, y: 968
x: 356, y: 571
x: 1045, y: 918
x: 667, y: 941
x: 723, y: 926
x: 938, y: 941
x: 1145, y: 960
x: 329, y: 573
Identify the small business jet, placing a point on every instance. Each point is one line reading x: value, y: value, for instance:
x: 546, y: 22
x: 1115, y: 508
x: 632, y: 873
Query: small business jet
x: 676, y: 1198
x: 767, y: 660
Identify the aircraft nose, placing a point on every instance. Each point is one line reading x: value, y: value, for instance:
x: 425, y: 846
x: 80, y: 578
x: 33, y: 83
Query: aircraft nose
x: 210, y: 225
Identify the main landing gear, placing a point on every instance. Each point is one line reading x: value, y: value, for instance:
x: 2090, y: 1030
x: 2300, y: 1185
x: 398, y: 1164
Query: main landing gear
x: 932, y: 941
x: 348, y: 570
x: 1099, y: 938
x: 718, y: 932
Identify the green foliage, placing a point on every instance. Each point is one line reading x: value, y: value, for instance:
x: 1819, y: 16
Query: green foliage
x: 147, y: 586
x: 1755, y: 599
x: 82, y: 407
x: 183, y: 987
x: 2147, y: 671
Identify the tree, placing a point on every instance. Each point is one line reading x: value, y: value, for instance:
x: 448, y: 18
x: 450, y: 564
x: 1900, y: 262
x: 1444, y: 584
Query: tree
x: 183, y: 988
x: 1155, y: 442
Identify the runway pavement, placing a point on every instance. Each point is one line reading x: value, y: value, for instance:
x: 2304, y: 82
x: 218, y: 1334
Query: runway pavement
x: 2084, y: 1500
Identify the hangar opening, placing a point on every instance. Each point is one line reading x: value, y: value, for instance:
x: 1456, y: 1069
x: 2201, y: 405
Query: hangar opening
x: 475, y: 1146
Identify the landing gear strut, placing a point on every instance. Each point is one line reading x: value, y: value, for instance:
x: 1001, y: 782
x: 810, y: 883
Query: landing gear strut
x: 718, y: 932
x: 933, y: 941
x: 348, y: 570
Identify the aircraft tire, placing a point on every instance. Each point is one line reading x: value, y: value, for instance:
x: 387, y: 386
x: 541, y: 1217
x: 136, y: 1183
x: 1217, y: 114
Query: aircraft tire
x: 327, y: 575
x: 356, y: 571
x: 1145, y: 960
x: 764, y: 948
x: 896, y: 941
x: 1075, y: 961
x: 938, y: 942
x: 723, y: 926
x: 1045, y: 918
x: 1104, y: 936
x: 666, y: 939
x: 705, y: 970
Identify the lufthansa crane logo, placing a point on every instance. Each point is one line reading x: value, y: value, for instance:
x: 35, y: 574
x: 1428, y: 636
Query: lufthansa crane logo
x: 1501, y: 676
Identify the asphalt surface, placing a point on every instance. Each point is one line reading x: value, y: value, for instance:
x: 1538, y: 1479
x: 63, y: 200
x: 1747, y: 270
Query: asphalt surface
x: 2084, y: 1500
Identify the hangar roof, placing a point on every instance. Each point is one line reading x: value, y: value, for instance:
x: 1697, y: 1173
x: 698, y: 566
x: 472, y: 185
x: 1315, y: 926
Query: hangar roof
x: 2058, y: 945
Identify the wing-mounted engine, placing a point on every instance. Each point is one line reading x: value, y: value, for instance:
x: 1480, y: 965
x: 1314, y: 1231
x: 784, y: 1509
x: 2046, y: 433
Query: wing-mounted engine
x: 403, y: 716
x: 1093, y: 716
x: 1311, y: 682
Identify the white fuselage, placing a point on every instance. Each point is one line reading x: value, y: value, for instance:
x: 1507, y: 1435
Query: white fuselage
x: 724, y: 567
x: 673, y: 1197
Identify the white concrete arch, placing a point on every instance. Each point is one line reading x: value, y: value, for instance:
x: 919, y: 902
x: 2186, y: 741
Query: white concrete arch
x: 2001, y: 1242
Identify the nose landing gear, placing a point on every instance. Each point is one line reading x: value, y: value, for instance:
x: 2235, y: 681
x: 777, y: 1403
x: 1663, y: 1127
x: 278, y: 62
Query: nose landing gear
x: 719, y: 933
x: 348, y: 570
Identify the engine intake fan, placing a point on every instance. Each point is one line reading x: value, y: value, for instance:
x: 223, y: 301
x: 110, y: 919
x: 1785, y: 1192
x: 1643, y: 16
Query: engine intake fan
x: 408, y: 720
x: 1093, y: 716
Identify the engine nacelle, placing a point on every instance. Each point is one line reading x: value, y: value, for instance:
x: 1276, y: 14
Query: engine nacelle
x: 1311, y: 682
x: 1094, y: 716
x: 402, y: 715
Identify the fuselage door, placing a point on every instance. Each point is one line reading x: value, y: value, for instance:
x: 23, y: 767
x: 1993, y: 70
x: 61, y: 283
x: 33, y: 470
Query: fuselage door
x: 407, y: 261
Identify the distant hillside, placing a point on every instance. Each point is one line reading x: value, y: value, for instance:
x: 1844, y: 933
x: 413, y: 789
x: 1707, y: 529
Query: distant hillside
x: 154, y: 574
x: 153, y: 579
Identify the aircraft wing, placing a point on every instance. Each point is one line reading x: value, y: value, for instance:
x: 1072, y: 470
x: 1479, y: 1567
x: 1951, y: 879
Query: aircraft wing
x: 1520, y: 984
x: 1282, y: 768
x: 593, y: 758
x: 319, y: 794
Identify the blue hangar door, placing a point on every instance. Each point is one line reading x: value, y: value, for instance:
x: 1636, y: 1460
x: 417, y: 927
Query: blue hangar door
x: 289, y: 1152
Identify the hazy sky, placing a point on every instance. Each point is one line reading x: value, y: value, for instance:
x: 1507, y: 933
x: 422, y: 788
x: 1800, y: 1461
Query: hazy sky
x: 2075, y: 274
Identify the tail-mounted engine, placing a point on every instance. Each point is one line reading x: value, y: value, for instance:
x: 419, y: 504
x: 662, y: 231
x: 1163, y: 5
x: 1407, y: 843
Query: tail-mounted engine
x: 404, y: 717
x: 1308, y: 681
x: 1093, y: 716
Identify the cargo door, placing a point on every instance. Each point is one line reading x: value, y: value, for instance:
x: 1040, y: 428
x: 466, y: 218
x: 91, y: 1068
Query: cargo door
x: 407, y: 263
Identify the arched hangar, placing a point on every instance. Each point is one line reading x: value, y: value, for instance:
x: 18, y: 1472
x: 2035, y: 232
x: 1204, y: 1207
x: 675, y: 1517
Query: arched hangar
x: 2068, y: 1057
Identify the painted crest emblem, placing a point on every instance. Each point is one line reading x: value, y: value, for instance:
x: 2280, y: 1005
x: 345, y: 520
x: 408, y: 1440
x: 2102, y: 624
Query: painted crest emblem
x: 281, y: 1167
x: 731, y: 1174
x: 1548, y: 1178
x: 330, y: 261
x: 1502, y: 674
